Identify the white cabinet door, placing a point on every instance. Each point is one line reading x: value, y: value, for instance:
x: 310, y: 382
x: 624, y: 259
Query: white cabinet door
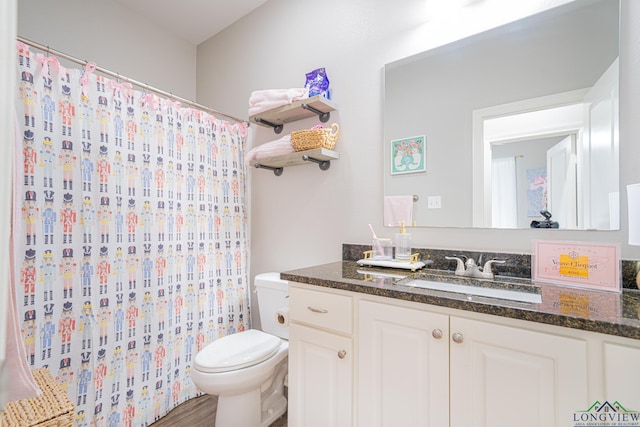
x: 622, y: 374
x: 320, y: 378
x: 403, y: 367
x: 506, y: 376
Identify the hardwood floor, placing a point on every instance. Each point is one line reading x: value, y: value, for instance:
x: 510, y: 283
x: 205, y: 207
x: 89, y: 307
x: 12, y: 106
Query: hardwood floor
x: 199, y: 412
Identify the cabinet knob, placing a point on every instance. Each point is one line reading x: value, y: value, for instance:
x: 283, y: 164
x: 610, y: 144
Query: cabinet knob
x: 342, y: 354
x: 457, y: 338
x: 437, y: 333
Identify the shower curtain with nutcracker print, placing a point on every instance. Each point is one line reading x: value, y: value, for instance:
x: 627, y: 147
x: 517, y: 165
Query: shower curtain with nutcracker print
x: 130, y: 238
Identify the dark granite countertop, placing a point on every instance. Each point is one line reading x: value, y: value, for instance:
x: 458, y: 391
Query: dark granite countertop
x: 597, y: 311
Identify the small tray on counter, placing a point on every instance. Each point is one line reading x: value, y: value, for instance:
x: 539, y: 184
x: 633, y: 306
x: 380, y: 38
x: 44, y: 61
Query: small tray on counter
x: 412, y: 265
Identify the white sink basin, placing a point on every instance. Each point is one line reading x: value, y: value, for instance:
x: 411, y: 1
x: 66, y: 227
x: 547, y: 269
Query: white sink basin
x: 476, y: 290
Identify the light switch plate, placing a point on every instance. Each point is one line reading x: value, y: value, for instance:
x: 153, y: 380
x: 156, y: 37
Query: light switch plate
x: 434, y: 202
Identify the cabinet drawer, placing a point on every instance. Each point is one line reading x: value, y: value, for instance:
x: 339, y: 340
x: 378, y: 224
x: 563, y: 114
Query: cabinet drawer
x: 322, y: 309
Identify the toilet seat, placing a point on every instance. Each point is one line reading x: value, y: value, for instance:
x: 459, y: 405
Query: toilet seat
x: 237, y: 351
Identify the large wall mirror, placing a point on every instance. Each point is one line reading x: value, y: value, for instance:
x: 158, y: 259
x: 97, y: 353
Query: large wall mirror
x: 518, y: 120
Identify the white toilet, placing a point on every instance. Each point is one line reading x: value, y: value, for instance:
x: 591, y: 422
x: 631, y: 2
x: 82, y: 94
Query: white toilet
x: 247, y: 370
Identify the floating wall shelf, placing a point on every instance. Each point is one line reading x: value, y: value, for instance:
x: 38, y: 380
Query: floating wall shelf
x: 321, y: 156
x: 298, y: 110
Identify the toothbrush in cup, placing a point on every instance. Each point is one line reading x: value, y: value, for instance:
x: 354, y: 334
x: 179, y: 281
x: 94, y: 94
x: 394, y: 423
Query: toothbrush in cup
x: 378, y: 247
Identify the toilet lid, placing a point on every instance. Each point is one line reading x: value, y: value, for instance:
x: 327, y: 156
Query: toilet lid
x: 237, y: 351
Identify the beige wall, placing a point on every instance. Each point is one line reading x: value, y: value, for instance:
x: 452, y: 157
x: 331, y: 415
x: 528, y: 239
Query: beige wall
x: 109, y: 34
x: 302, y: 217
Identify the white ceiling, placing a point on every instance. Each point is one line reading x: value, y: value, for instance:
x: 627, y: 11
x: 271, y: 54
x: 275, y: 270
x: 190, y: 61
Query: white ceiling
x: 193, y: 20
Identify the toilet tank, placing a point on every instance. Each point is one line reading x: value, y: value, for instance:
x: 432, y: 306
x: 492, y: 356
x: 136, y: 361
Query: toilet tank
x: 273, y: 303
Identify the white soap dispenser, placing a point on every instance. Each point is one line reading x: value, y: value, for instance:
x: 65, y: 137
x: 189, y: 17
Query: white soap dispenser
x: 403, y: 245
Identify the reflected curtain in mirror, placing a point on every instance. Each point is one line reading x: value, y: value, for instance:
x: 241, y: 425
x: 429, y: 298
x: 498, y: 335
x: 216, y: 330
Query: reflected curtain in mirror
x: 504, y: 193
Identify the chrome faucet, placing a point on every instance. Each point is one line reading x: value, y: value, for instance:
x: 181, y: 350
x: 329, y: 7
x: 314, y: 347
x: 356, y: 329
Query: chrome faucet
x: 469, y: 268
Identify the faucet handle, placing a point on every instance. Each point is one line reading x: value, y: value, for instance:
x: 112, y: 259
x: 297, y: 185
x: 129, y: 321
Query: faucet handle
x: 487, y: 265
x: 459, y: 263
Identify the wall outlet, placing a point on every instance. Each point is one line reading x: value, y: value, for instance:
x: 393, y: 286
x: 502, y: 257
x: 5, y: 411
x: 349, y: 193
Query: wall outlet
x: 434, y: 202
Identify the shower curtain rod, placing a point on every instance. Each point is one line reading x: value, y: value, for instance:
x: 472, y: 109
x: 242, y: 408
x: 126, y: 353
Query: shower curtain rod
x: 144, y: 86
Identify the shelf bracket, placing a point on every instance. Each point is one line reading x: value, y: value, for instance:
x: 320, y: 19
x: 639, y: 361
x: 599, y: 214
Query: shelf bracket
x: 322, y: 164
x: 324, y: 117
x: 276, y: 171
x: 276, y: 128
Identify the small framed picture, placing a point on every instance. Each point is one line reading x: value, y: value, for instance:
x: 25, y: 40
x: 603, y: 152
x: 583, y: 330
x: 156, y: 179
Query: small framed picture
x: 408, y: 155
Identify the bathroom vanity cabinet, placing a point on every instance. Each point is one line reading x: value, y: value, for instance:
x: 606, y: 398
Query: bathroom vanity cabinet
x: 321, y: 358
x: 500, y: 373
x: 620, y: 374
x: 403, y: 366
x: 416, y: 364
x: 424, y: 368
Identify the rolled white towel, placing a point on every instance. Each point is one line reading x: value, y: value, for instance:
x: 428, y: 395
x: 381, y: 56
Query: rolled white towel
x: 277, y: 147
x: 265, y: 105
x: 284, y: 95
